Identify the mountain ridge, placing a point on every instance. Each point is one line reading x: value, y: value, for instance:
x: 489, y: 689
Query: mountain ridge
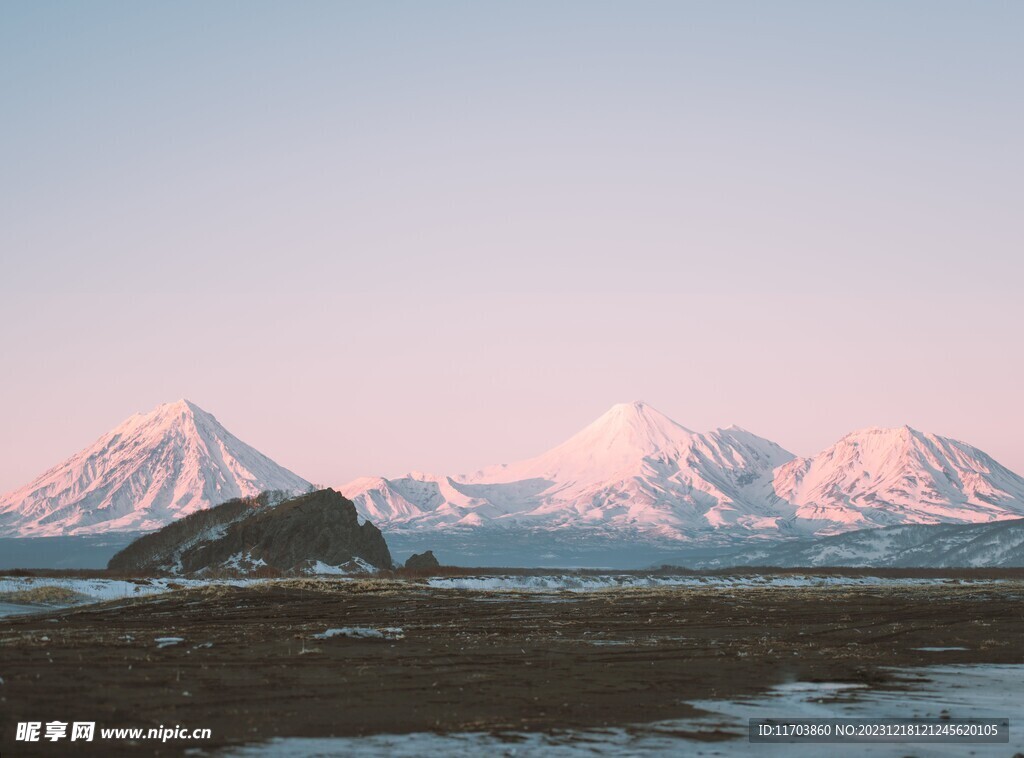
x: 635, y: 468
x: 632, y: 471
x: 622, y: 469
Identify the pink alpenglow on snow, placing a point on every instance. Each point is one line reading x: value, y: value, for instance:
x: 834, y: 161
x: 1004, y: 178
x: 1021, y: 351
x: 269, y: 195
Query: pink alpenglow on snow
x: 632, y: 472
x: 636, y: 470
x: 880, y: 477
x: 153, y: 468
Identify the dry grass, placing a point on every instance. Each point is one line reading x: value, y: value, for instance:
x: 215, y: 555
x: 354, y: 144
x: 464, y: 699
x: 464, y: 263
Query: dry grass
x: 48, y: 595
x: 340, y: 586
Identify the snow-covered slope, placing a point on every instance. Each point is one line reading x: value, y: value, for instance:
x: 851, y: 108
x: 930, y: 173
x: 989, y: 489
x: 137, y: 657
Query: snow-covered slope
x: 150, y: 470
x: 633, y: 469
x: 881, y: 477
x: 997, y: 544
x: 636, y: 472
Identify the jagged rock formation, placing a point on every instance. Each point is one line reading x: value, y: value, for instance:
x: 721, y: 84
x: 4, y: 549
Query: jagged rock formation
x: 318, y: 531
x: 423, y: 561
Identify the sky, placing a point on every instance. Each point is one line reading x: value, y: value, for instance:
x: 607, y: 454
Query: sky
x: 381, y: 237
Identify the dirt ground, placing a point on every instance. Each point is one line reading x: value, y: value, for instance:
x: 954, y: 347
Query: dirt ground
x: 249, y: 667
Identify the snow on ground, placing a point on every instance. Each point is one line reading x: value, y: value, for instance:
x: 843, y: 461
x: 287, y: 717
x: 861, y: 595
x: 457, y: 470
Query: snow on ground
x: 98, y: 590
x: 579, y: 583
x: 965, y: 691
x: 362, y: 632
x: 95, y: 590
x: 355, y: 566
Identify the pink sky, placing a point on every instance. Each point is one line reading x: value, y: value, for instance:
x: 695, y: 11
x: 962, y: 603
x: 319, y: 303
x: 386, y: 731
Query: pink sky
x: 375, y: 238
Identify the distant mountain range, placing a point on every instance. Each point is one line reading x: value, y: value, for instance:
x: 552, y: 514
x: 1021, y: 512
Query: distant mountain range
x: 996, y: 544
x: 152, y: 469
x: 633, y: 473
x: 636, y: 470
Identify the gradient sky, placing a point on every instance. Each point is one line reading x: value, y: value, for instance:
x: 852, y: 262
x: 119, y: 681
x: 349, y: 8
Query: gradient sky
x: 387, y: 236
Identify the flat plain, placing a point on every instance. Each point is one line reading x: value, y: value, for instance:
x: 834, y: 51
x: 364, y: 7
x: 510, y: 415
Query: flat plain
x: 255, y: 662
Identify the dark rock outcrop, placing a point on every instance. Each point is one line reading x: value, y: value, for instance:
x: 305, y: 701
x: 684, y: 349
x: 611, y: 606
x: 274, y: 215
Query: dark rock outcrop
x: 247, y: 534
x: 420, y: 561
x: 162, y: 550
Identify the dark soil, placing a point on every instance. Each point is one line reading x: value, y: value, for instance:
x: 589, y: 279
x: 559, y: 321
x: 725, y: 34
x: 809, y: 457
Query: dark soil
x: 469, y: 660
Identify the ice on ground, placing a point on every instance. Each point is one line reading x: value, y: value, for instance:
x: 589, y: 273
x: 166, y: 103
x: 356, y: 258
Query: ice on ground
x: 816, y: 688
x: 362, y: 632
x: 168, y: 641
x: 16, y: 609
x: 968, y: 691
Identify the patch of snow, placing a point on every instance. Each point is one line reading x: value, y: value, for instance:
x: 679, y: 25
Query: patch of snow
x: 243, y: 562
x: 362, y: 632
x: 168, y: 641
x: 355, y: 566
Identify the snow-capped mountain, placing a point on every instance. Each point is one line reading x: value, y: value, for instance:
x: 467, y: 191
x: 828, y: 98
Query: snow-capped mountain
x: 634, y: 469
x: 636, y: 472
x: 881, y: 477
x: 633, y: 474
x: 150, y: 470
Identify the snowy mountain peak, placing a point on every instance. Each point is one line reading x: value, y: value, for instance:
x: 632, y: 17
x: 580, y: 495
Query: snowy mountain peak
x: 636, y: 427
x: 633, y: 468
x: 616, y: 443
x: 882, y: 433
x: 149, y: 470
x: 881, y: 476
x: 169, y: 410
x: 636, y: 414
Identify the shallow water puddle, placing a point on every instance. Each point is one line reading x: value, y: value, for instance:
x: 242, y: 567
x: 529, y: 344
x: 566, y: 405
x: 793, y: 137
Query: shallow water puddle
x: 957, y: 691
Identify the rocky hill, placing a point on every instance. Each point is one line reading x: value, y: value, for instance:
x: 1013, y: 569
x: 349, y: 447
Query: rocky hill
x: 317, y: 532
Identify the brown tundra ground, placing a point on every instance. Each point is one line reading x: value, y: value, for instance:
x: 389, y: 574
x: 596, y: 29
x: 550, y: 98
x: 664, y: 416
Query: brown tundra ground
x: 250, y: 667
